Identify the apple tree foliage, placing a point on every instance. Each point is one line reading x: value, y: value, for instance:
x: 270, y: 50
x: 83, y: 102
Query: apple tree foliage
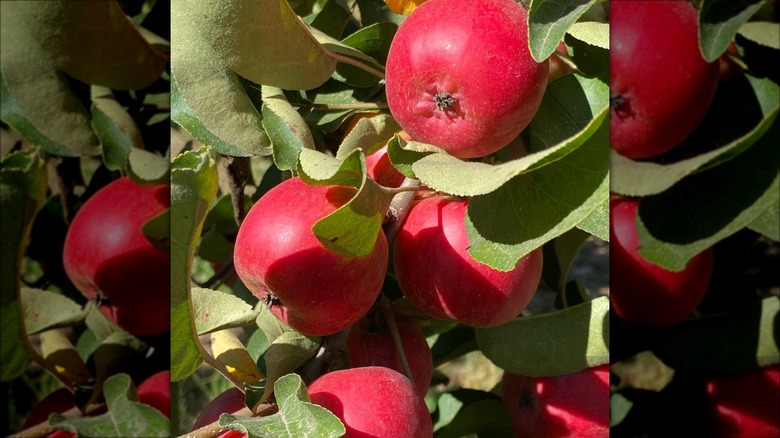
x: 85, y: 99
x: 264, y: 90
x: 719, y: 189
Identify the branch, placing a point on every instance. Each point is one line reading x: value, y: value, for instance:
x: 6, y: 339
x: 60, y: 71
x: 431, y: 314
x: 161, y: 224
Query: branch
x: 390, y: 318
x: 238, y: 173
x: 399, y: 208
x: 214, y: 429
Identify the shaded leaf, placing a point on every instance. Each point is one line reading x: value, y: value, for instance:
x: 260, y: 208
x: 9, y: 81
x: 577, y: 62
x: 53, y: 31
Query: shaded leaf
x: 145, y: 167
x: 286, y: 353
x: 719, y: 21
x: 559, y: 255
x: 768, y: 222
x: 115, y: 128
x: 44, y: 310
x: 548, y: 21
x: 597, y: 223
x: 286, y: 128
x: 59, y: 352
x: 483, y: 417
x: 214, y: 310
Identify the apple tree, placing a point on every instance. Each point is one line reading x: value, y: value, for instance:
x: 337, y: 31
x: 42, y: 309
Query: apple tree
x: 695, y: 231
x: 84, y: 184
x: 287, y: 250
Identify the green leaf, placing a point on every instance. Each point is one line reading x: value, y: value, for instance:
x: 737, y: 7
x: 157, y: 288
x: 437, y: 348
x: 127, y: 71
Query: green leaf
x: 542, y: 205
x: 369, y: 134
x: 36, y: 98
x: 742, y: 112
x: 402, y: 158
x: 331, y: 19
x: 377, y: 11
x: 287, y: 352
x: 486, y: 416
x: 335, y: 92
x: 102, y: 327
x: 452, y: 344
x: 193, y: 188
x: 360, y: 71
x: 762, y: 32
x: 297, y: 416
x: 44, y: 310
x: 597, y: 223
x: 733, y: 342
x: 126, y: 417
x: 719, y: 21
x: 263, y: 41
x: 591, y: 32
x: 374, y: 41
x: 352, y: 229
x: 546, y: 345
x: 23, y: 186
x: 94, y: 42
x: 214, y: 311
x: 207, y: 98
x: 572, y: 109
x: 158, y: 230
x: 115, y: 128
x: 619, y: 407
x: 768, y: 222
x: 559, y: 255
x: 548, y: 21
x: 286, y: 128
x: 145, y: 167
x: 705, y: 208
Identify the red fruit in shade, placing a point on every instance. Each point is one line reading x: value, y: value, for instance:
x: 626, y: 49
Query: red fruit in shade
x: 460, y: 75
x: 110, y: 260
x: 439, y: 277
x: 660, y: 85
x: 229, y: 401
x: 370, y: 343
x: 642, y: 292
x: 745, y: 405
x: 373, y: 402
x: 58, y: 401
x: 574, y: 405
x: 309, y: 287
x: 155, y: 391
x: 381, y: 170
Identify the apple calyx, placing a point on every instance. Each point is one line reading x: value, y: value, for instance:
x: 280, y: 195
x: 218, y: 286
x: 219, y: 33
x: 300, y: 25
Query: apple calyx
x: 443, y: 100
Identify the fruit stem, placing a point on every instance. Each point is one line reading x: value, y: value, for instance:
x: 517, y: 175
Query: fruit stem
x: 347, y: 60
x: 345, y: 106
x: 399, y: 208
x: 214, y: 429
x: 43, y: 428
x: 390, y: 318
x: 238, y: 172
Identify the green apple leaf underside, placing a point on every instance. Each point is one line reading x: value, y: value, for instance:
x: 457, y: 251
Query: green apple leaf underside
x: 719, y: 22
x: 115, y: 128
x: 545, y: 345
x: 707, y: 207
x: 297, y: 416
x: 352, y: 229
x: 23, y: 185
x: 126, y: 417
x: 768, y: 222
x: 207, y: 98
x: 286, y: 353
x: 193, y: 188
x: 741, y: 114
x: 548, y: 22
x: 238, y: 33
x: 734, y: 342
x: 369, y: 134
x: 146, y: 167
x: 285, y: 127
x: 44, y: 310
x: 214, y: 310
x: 592, y: 32
x: 762, y: 32
x: 597, y: 223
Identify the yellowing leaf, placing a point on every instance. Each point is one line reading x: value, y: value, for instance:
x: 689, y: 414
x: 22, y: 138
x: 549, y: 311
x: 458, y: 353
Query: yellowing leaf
x: 403, y: 6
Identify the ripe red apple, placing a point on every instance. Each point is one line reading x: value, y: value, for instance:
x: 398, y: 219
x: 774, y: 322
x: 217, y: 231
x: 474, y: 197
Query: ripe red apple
x: 155, y: 391
x: 110, y: 260
x: 574, y: 405
x: 229, y: 401
x: 660, y: 85
x: 381, y: 170
x: 745, y: 405
x: 460, y: 76
x: 58, y: 401
x: 373, y: 402
x: 642, y: 292
x: 370, y: 343
x: 278, y: 257
x: 438, y: 276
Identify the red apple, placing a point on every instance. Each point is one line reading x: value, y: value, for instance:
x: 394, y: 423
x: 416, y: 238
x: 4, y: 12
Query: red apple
x: 309, y: 287
x: 460, y: 76
x: 660, y: 85
x: 438, y: 276
x: 745, y: 405
x: 228, y: 402
x: 110, y: 260
x: 642, y: 292
x: 381, y: 170
x: 370, y: 343
x: 155, y: 391
x: 58, y: 401
x: 373, y: 402
x: 574, y: 405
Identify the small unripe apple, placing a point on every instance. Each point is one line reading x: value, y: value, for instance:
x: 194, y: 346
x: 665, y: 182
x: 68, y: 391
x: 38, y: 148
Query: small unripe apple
x: 155, y: 391
x: 460, y: 75
x: 370, y: 343
x: 110, y: 260
x: 574, y: 405
x: 309, y: 287
x: 660, y: 85
x: 745, y: 405
x: 373, y: 402
x: 229, y: 402
x: 440, y: 277
x: 642, y: 292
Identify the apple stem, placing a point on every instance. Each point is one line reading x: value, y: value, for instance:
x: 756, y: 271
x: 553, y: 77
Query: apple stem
x: 399, y: 208
x: 214, y: 429
x: 238, y: 172
x: 569, y: 62
x: 345, y: 106
x: 390, y: 318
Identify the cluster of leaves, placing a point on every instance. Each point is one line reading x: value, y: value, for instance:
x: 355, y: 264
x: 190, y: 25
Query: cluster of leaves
x: 720, y: 188
x: 268, y: 87
x: 85, y: 99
